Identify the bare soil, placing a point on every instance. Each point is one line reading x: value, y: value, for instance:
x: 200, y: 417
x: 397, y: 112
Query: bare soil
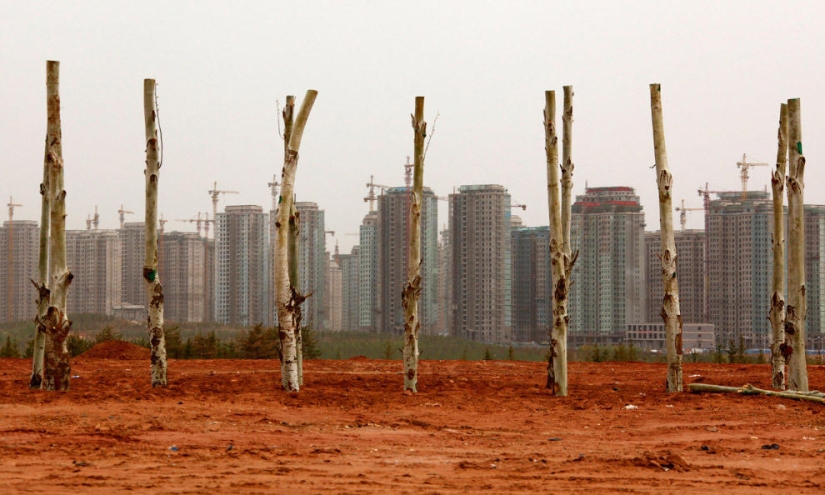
x: 225, y: 426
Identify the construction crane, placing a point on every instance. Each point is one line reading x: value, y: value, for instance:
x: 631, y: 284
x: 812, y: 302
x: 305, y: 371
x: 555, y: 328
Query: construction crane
x: 10, y: 261
x: 683, y: 213
x: 215, y: 193
x: 370, y: 198
x: 206, y: 223
x: 122, y: 212
x: 273, y: 189
x: 408, y: 172
x: 197, y: 221
x: 162, y: 224
x: 705, y: 195
x: 516, y: 204
x: 744, y: 165
x: 90, y: 220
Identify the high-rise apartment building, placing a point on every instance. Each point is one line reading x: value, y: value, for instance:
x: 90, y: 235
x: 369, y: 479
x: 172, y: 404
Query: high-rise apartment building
x: 815, y: 269
x: 740, y: 266
x: 608, y: 291
x: 183, y: 275
x: 690, y: 268
x: 312, y: 262
x: 350, y: 293
x: 480, y: 263
x: 95, y: 259
x: 133, y: 257
x: 19, y: 256
x: 369, y: 312
x: 393, y: 254
x: 242, y: 266
x: 532, y: 284
x: 334, y: 293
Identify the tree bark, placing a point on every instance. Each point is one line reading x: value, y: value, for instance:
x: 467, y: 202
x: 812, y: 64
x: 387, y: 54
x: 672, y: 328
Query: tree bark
x: 154, y: 289
x: 294, y: 231
x: 777, y: 302
x: 43, y: 293
x: 287, y: 297
x: 567, y: 175
x: 557, y: 361
x: 671, y: 313
x: 56, y: 363
x: 797, y: 302
x: 412, y: 290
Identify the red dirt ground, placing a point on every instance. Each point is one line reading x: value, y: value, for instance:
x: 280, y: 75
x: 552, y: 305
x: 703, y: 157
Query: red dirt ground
x: 474, y: 427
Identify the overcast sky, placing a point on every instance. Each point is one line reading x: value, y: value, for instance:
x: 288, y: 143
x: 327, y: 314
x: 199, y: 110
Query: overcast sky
x: 724, y: 66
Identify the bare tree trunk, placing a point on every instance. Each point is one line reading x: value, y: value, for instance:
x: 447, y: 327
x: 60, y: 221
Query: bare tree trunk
x: 154, y: 289
x: 287, y: 297
x: 294, y: 231
x: 56, y: 363
x: 412, y: 291
x: 797, y: 302
x: 43, y: 293
x: 557, y: 362
x: 671, y: 313
x: 777, y: 311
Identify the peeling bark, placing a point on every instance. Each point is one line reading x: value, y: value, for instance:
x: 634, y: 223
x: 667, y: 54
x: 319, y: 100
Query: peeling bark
x: 56, y: 360
x: 288, y: 299
x: 43, y: 293
x: 151, y: 277
x: 412, y: 290
x: 797, y: 302
x: 557, y: 361
x: 777, y: 311
x: 671, y: 313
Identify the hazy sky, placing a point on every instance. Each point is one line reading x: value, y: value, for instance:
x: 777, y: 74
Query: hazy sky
x: 724, y: 66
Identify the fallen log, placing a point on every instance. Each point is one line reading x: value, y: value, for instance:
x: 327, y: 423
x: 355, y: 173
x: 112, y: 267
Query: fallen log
x: 748, y: 389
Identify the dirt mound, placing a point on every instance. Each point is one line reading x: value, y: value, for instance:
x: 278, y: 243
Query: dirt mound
x: 117, y: 349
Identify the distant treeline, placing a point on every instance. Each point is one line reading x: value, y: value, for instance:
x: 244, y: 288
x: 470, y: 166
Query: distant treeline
x: 215, y: 341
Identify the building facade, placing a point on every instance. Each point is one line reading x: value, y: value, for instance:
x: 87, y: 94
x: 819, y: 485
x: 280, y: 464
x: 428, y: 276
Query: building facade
x: 133, y: 257
x: 19, y: 257
x: 369, y: 312
x: 350, y: 293
x: 690, y: 268
x: 95, y: 259
x: 532, y: 284
x: 242, y: 266
x: 312, y: 263
x: 480, y: 264
x: 608, y: 291
x: 393, y: 255
x: 183, y: 273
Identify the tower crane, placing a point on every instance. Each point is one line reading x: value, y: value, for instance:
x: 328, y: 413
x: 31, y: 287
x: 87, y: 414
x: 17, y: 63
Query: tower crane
x: 123, y: 214
x: 10, y: 261
x: 273, y: 189
x: 516, y: 204
x: 744, y: 165
x: 370, y: 198
x: 162, y: 224
x: 215, y: 193
x: 197, y: 221
x: 96, y: 219
x: 683, y: 213
x: 206, y: 223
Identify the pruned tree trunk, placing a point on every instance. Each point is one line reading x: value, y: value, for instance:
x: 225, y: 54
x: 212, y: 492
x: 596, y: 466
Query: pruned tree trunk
x: 287, y: 297
x: 797, y: 302
x: 412, y: 290
x: 777, y: 311
x: 294, y: 231
x: 154, y: 289
x: 43, y: 293
x: 671, y: 312
x: 557, y: 361
x: 56, y: 363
